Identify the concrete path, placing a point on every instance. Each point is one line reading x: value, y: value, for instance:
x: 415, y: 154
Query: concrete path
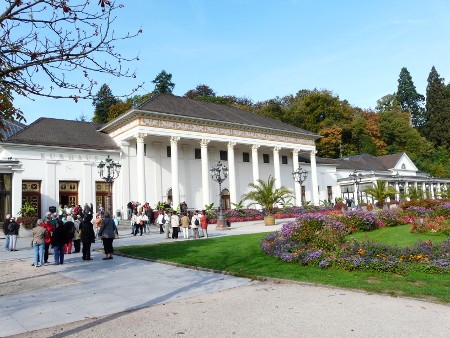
x: 125, y: 297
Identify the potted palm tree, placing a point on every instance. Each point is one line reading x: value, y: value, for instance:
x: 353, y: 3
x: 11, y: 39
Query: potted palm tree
x: 380, y: 192
x: 267, y: 196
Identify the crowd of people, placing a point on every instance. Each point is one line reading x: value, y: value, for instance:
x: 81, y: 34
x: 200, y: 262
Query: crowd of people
x: 69, y: 230
x: 73, y: 229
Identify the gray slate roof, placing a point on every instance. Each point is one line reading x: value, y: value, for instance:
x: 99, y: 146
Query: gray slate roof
x: 182, y: 106
x: 64, y: 133
x: 12, y: 127
x: 360, y: 162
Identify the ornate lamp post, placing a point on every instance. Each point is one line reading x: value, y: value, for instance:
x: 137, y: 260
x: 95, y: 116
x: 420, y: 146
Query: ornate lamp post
x: 400, y: 182
x: 300, y: 176
x: 219, y: 174
x: 356, y: 178
x: 109, y: 171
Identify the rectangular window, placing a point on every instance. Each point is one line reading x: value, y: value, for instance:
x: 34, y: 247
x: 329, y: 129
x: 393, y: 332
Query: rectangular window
x: 198, y: 154
x: 330, y: 193
x: 245, y: 157
x: 284, y: 159
x: 266, y: 158
x: 224, y: 155
x: 169, y: 151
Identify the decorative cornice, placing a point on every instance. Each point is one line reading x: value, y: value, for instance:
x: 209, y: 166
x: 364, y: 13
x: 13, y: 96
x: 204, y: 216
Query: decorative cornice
x: 220, y: 130
x: 179, y: 123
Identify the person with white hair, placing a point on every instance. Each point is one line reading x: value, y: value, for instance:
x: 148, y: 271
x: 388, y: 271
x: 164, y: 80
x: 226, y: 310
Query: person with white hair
x: 6, y: 231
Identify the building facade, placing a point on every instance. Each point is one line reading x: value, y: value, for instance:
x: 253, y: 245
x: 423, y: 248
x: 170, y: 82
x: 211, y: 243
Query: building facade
x: 166, y: 147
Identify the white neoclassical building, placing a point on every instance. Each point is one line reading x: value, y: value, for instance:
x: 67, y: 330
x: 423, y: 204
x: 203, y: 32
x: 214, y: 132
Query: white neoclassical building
x: 166, y: 147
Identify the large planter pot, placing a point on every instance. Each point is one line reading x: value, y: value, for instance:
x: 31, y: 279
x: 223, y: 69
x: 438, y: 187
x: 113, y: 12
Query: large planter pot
x: 269, y: 220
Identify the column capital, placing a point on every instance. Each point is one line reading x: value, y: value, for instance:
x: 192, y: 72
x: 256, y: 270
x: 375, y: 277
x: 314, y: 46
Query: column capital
x: 204, y: 143
x: 255, y: 147
x: 174, y: 140
x: 231, y: 145
x: 313, y: 153
x: 295, y: 152
x: 276, y: 149
x: 140, y: 137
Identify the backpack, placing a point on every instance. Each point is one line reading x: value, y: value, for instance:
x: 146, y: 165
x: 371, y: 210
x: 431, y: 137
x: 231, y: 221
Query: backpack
x: 196, y: 222
x: 11, y: 227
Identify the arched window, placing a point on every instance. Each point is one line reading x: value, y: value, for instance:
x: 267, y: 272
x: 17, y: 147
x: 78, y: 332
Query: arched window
x: 403, y: 166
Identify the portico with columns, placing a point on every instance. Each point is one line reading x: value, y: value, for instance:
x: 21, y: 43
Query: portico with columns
x: 186, y: 148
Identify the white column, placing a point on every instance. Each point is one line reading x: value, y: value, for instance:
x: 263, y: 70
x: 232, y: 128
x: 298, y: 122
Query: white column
x: 397, y: 189
x: 125, y: 177
x: 407, y: 191
x: 432, y: 190
x: 52, y: 185
x: 157, y: 179
x: 297, y: 186
x: 315, y: 192
x: 16, y: 192
x: 255, y: 163
x: 276, y: 166
x: 424, y: 190
x: 232, y: 172
x: 205, y: 171
x: 174, y: 165
x: 438, y: 190
x: 140, y: 166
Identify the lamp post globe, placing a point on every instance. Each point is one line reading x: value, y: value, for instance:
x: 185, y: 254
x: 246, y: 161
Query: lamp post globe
x: 109, y: 170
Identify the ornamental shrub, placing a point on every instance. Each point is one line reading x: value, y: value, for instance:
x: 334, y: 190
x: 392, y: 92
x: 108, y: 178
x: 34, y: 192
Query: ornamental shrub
x: 388, y: 218
x: 360, y: 220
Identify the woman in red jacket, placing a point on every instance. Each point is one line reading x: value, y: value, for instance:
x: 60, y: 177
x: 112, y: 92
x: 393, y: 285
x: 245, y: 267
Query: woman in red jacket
x: 204, y: 223
x: 48, y: 237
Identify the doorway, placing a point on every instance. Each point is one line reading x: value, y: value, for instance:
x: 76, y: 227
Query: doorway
x: 68, y: 193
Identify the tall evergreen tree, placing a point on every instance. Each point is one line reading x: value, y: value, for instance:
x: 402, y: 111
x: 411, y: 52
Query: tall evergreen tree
x: 102, y: 101
x: 163, y: 83
x: 409, y: 99
x: 437, y: 125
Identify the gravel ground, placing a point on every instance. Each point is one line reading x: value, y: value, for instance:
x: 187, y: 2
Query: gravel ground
x: 270, y: 310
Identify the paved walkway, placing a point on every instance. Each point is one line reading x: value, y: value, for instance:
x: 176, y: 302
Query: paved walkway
x: 125, y: 297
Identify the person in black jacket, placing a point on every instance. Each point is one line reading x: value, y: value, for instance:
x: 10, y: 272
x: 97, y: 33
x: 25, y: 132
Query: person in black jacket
x: 107, y: 232
x: 87, y: 236
x: 59, y: 238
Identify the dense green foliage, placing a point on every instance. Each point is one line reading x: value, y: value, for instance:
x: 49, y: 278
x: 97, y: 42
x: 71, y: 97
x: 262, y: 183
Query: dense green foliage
x: 102, y: 101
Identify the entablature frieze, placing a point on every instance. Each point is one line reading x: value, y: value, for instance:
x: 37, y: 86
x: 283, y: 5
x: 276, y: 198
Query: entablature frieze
x: 211, y: 130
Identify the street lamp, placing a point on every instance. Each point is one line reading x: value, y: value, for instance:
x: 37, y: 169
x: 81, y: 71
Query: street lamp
x: 400, y: 182
x: 219, y: 174
x: 300, y: 176
x: 356, y: 177
x: 109, y: 171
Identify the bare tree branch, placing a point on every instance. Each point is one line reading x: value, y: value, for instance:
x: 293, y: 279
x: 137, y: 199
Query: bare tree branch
x: 69, y: 42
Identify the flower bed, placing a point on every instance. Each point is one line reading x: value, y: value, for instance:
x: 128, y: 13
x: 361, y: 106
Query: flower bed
x: 435, y: 226
x: 316, y: 239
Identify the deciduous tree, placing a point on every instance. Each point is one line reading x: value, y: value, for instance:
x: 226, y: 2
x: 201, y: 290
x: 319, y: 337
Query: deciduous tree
x: 55, y: 48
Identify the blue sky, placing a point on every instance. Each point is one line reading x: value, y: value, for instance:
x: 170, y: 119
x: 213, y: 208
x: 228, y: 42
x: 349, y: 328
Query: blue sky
x: 261, y: 49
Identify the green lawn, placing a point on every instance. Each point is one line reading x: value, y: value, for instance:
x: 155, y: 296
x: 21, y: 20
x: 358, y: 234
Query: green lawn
x: 398, y: 235
x: 242, y: 256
